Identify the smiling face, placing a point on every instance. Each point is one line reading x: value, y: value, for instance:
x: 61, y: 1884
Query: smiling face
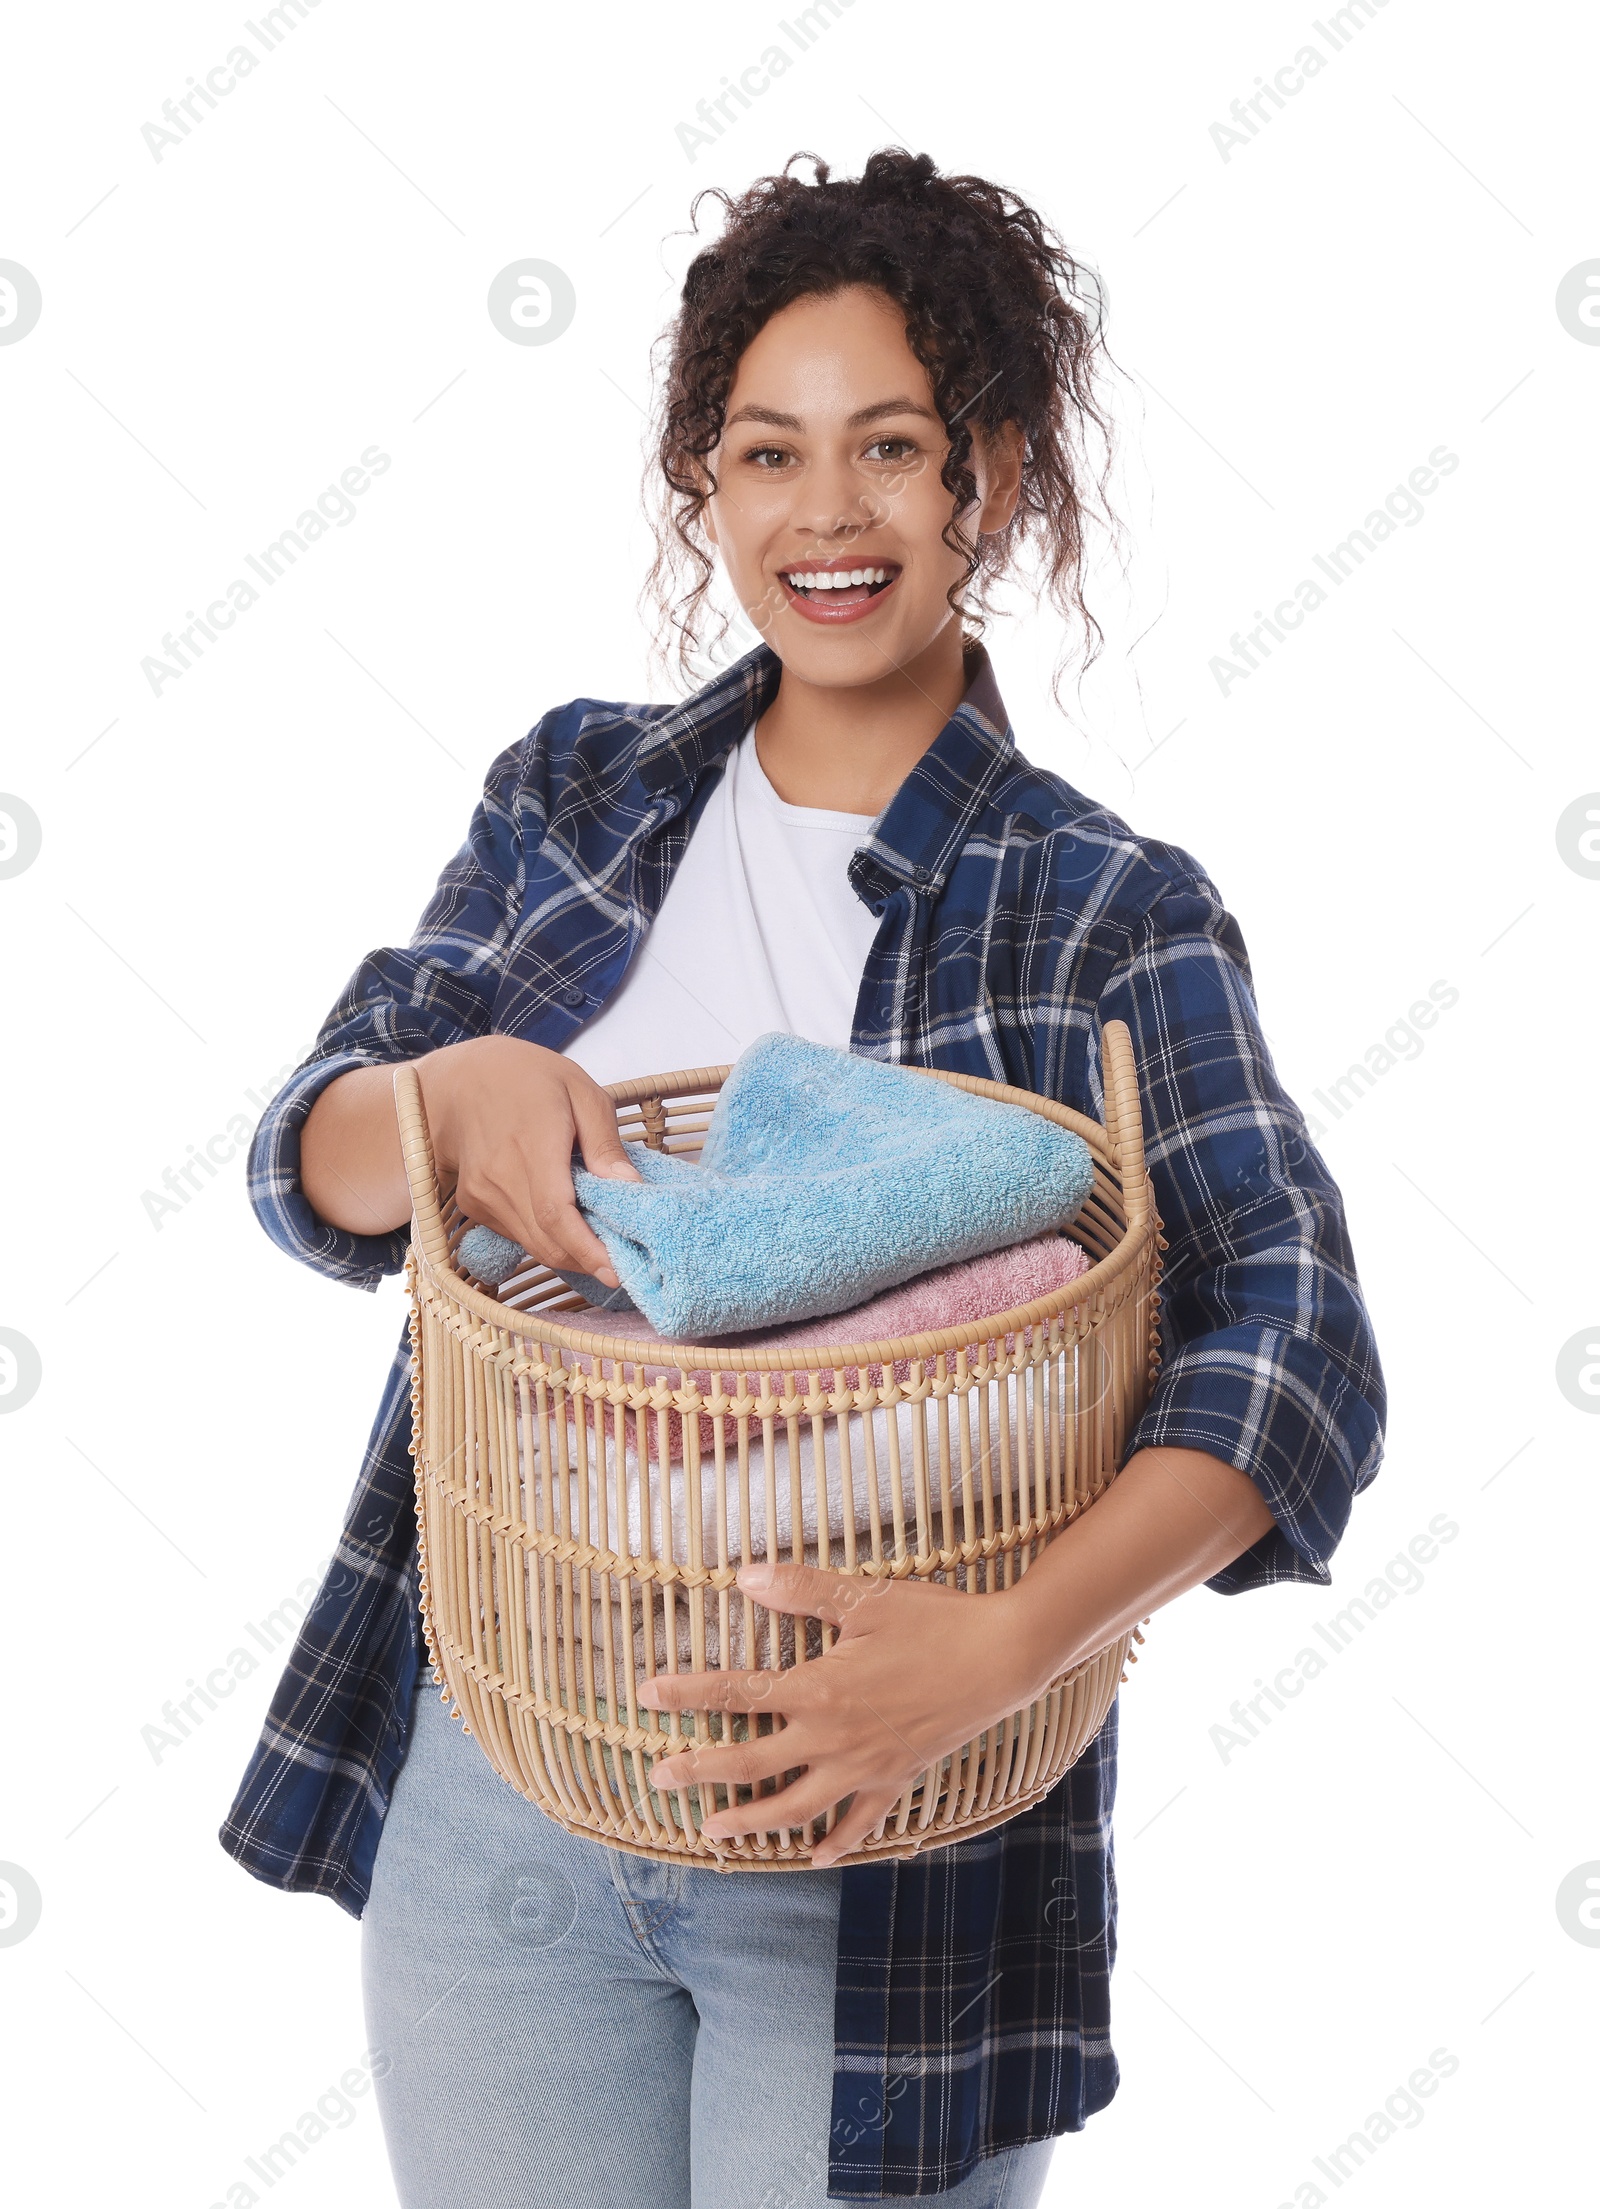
x: 829, y: 509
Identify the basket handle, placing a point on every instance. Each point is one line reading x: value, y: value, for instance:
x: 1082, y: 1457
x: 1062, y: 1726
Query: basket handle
x: 416, y: 1148
x: 1124, y: 1121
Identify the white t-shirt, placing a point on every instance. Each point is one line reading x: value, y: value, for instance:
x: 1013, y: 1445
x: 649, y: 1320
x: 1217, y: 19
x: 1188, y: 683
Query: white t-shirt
x: 759, y: 929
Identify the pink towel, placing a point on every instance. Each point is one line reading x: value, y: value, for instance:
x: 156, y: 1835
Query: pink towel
x: 951, y: 1296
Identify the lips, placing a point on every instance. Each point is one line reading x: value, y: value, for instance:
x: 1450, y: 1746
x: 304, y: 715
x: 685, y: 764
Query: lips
x: 832, y: 592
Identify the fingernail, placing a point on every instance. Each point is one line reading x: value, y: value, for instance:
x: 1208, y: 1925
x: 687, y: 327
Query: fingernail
x: 755, y: 1576
x: 607, y: 1278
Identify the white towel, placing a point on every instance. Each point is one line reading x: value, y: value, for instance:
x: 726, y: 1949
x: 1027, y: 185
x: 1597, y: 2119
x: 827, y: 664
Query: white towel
x: 954, y: 1493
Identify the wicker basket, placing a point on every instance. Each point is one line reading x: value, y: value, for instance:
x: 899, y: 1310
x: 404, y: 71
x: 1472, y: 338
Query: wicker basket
x: 558, y: 1570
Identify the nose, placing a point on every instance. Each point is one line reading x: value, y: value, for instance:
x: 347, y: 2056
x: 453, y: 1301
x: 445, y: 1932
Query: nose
x: 836, y: 507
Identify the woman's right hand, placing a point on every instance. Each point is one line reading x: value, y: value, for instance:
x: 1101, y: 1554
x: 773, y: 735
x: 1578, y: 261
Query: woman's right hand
x: 504, y: 1116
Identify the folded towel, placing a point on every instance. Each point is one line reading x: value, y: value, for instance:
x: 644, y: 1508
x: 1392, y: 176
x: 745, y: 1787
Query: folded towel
x: 830, y: 1489
x: 825, y: 1178
x: 951, y: 1296
x: 791, y: 1481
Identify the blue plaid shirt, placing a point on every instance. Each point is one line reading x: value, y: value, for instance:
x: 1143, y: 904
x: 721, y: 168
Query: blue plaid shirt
x: 1015, y: 916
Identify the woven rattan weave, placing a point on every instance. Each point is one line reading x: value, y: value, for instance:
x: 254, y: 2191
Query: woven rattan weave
x: 582, y: 1513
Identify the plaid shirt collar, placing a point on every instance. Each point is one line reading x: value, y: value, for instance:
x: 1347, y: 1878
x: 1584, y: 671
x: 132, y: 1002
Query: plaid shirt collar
x: 931, y: 815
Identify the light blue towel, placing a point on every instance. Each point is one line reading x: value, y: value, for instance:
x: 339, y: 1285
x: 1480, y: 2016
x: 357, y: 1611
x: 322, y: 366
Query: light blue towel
x: 825, y: 1178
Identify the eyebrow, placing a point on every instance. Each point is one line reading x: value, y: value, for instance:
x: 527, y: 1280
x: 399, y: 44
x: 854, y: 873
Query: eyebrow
x: 863, y: 415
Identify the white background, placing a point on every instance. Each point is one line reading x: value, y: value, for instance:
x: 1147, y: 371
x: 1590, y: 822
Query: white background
x: 223, y: 331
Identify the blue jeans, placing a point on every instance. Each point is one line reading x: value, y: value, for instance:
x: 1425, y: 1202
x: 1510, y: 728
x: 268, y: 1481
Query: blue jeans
x: 557, y: 2023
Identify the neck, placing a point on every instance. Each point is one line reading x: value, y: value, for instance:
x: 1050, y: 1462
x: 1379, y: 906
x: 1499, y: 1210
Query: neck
x: 848, y: 749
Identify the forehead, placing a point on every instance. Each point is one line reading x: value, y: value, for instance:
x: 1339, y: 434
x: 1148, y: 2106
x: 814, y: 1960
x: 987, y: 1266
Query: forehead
x: 824, y: 357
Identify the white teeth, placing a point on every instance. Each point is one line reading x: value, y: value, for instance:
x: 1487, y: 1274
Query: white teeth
x: 831, y: 580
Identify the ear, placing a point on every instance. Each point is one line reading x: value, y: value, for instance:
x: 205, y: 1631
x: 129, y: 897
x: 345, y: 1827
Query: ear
x: 999, y: 475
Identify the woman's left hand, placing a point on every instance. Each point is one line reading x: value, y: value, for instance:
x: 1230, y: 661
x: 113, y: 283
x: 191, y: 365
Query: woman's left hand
x: 915, y: 1671
x: 918, y: 1669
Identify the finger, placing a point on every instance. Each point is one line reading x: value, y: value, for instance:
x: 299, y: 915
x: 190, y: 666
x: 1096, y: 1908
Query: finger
x: 595, y: 1118
x: 562, y: 1252
x: 533, y: 1214
x: 836, y: 1597
x: 730, y: 1691
x: 803, y: 1800
x: 857, y: 1822
x: 565, y: 1240
x: 730, y: 1764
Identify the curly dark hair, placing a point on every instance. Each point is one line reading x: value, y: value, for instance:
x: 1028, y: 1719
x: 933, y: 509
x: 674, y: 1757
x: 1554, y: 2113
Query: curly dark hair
x: 1006, y: 323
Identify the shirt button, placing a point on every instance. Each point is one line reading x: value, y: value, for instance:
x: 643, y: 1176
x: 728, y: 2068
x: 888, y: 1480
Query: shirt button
x: 572, y: 995
x: 921, y: 874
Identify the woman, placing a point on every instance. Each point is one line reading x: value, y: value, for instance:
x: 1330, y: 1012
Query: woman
x: 878, y: 393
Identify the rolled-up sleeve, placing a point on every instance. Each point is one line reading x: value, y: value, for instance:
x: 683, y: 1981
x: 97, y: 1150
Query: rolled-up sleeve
x: 399, y: 1004
x: 1268, y: 1354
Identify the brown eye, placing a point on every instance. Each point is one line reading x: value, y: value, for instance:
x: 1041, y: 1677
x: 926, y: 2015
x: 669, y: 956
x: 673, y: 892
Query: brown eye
x: 764, y: 455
